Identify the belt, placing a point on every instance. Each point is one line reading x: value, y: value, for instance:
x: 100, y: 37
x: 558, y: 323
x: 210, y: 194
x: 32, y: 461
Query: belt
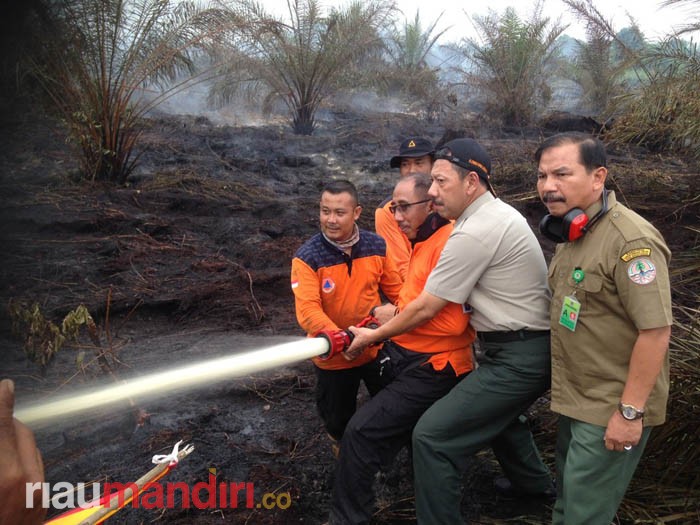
x: 511, y: 336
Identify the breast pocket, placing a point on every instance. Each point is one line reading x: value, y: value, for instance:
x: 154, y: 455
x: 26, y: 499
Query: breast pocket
x: 588, y: 291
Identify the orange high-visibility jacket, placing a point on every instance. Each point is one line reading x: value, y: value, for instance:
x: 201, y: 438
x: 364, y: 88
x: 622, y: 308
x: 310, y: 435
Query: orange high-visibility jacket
x: 448, y: 335
x: 333, y: 290
x: 398, y: 247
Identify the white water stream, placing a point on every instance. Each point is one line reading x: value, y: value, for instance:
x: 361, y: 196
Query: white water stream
x: 190, y: 376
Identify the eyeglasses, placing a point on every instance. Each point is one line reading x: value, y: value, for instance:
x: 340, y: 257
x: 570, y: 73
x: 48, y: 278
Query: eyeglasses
x: 403, y: 208
x: 470, y: 164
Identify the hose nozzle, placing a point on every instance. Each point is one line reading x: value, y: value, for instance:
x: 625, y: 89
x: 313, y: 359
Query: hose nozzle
x: 340, y: 340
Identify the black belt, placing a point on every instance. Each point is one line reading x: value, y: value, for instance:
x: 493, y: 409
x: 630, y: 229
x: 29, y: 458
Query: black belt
x: 509, y: 337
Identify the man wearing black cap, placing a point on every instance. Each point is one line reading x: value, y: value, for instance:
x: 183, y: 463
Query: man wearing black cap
x: 415, y: 156
x: 493, y: 265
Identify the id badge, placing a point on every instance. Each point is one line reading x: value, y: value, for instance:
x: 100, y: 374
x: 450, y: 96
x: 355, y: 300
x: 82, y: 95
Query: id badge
x: 569, y: 312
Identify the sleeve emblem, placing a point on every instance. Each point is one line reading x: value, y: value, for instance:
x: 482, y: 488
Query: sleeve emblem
x: 633, y: 254
x: 641, y: 271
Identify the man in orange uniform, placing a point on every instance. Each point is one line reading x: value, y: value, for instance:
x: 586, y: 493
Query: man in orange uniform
x: 415, y: 156
x: 419, y: 366
x: 336, y: 277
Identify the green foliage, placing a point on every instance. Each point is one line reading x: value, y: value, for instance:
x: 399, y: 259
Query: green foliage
x: 659, y: 110
x: 510, y: 63
x: 598, y: 69
x: 298, y: 59
x: 97, y: 58
x: 408, y: 47
x: 664, y: 115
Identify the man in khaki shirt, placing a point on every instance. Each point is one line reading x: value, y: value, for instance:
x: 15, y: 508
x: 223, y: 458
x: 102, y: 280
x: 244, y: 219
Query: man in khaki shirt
x: 492, y: 266
x: 610, y: 321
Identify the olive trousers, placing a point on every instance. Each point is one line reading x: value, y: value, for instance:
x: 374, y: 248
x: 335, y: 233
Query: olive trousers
x: 483, y: 410
x: 591, y: 479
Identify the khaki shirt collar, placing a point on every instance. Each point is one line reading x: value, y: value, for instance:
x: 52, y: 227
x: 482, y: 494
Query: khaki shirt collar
x: 474, y: 207
x: 594, y: 208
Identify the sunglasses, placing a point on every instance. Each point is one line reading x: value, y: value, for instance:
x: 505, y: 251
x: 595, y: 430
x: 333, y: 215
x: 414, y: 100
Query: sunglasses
x: 403, y: 208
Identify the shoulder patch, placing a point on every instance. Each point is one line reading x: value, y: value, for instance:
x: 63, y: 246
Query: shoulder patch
x: 641, y: 271
x: 633, y: 254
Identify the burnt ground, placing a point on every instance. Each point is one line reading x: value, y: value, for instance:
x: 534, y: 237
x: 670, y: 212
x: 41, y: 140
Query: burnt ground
x: 190, y: 260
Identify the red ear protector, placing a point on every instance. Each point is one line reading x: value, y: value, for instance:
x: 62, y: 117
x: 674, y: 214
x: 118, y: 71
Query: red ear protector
x: 571, y: 226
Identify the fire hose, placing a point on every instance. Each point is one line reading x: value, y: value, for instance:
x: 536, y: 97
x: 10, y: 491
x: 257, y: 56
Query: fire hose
x: 326, y: 344
x: 340, y: 340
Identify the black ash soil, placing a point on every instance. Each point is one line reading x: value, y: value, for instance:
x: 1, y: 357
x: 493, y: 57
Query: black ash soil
x: 190, y: 260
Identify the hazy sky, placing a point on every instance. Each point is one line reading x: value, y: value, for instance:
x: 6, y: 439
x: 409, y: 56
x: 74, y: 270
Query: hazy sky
x: 654, y: 21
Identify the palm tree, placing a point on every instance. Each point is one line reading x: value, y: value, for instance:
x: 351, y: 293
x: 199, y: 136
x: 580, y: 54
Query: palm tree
x: 597, y: 71
x: 408, y: 48
x: 97, y: 58
x: 660, y: 112
x: 410, y: 45
x: 300, y: 58
x: 510, y: 62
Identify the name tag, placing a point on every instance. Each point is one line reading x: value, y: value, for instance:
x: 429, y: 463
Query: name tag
x: 569, y: 312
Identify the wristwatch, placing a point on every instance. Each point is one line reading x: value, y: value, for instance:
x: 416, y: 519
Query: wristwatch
x: 630, y: 412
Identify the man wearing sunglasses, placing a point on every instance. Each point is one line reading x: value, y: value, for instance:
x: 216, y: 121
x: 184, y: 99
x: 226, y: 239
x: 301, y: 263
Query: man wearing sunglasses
x: 493, y: 263
x: 415, y: 156
x: 417, y: 367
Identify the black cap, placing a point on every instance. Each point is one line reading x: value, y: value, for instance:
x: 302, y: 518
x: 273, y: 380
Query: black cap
x: 412, y: 147
x: 468, y: 154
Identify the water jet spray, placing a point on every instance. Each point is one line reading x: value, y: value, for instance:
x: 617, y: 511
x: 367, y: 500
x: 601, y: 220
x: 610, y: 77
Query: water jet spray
x: 327, y: 344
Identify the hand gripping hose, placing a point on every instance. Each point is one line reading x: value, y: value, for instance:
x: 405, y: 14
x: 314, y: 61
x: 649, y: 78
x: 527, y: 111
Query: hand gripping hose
x: 340, y: 340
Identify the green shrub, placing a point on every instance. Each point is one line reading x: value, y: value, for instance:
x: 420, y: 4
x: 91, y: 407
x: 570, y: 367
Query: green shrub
x: 510, y: 62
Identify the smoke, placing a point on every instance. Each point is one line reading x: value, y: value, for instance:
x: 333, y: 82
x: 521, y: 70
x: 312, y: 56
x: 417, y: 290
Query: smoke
x: 193, y: 100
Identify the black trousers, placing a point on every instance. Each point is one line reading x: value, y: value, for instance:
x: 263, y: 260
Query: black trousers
x: 336, y: 394
x: 382, y: 426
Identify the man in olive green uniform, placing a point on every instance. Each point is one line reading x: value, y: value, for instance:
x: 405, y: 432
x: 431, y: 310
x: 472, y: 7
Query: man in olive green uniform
x: 610, y: 321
